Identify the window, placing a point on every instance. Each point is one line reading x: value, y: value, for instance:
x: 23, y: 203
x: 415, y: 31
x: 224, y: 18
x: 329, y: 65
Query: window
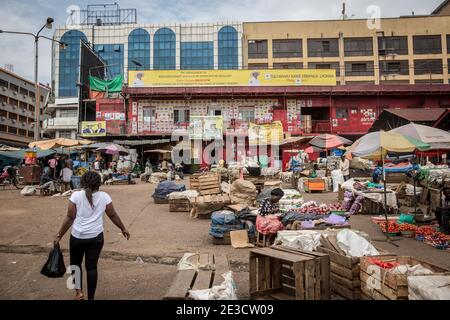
x: 139, y: 50
x: 3, y: 113
x: 180, y: 116
x: 331, y: 65
x: 113, y: 56
x: 287, y: 48
x: 394, y: 67
x: 68, y: 113
x: 247, y: 114
x: 3, y: 99
x: 32, y: 95
x: 164, y: 50
x: 23, y: 119
x: 31, y: 134
x: 197, y: 55
x: 12, y: 130
x: 448, y: 45
x: 341, y: 113
x: 12, y: 116
x: 427, y: 44
x: 13, y: 87
x: 228, y: 41
x: 22, y: 132
x: 359, y: 69
x: 65, y: 134
x: 258, y: 66
x: 24, y: 91
x: 13, y: 102
x: 323, y: 48
x: 69, y: 64
x: 422, y: 67
x: 294, y: 65
x: 3, y: 83
x: 3, y: 128
x: 393, y: 45
x: 358, y: 47
x: 257, y: 49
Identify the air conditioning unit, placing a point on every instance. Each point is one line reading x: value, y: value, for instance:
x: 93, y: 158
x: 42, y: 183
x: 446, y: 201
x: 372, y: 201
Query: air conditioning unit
x: 23, y: 124
x: 15, y: 93
x: 13, y: 120
x: 3, y: 118
x: 4, y: 88
x: 14, y: 107
x: 3, y: 103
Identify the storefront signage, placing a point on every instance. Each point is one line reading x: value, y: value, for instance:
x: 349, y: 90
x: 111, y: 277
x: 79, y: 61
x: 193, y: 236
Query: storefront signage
x: 231, y: 78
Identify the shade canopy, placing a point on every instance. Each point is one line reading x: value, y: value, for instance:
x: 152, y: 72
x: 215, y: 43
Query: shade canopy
x: 329, y: 141
x: 20, y: 154
x: 113, y: 149
x: 311, y: 150
x: 437, y: 138
x: 376, y: 145
x: 58, y: 143
x: 161, y: 151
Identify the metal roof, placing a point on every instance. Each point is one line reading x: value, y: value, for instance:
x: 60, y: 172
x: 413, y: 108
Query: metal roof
x: 441, y: 7
x: 418, y: 114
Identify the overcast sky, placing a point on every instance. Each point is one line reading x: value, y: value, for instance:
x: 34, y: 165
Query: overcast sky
x: 30, y: 15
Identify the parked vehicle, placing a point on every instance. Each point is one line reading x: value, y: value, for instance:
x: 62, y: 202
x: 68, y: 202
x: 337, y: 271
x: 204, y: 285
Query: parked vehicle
x: 10, y: 177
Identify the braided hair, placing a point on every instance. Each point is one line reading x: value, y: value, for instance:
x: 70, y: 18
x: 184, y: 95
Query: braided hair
x: 91, y: 182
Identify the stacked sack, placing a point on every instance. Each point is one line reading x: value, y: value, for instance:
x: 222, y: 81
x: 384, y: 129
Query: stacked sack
x: 243, y: 192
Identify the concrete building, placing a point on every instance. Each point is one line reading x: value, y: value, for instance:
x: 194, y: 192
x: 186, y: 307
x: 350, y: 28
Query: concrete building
x: 443, y: 9
x: 17, y: 106
x: 400, y: 64
x: 405, y: 50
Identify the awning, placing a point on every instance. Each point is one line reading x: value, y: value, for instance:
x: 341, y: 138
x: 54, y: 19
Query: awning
x: 293, y: 140
x: 21, y: 153
x: 140, y: 142
x: 158, y: 151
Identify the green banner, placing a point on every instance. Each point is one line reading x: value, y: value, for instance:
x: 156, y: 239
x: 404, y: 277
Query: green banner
x: 112, y: 86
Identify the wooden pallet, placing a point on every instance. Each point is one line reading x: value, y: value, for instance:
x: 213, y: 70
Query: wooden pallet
x: 204, y: 205
x: 287, y: 274
x: 186, y: 280
x: 390, y: 286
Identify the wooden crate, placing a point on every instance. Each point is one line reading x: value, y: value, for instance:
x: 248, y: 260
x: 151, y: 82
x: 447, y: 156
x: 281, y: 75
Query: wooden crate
x: 391, y: 286
x: 179, y: 205
x: 286, y: 274
x: 315, y: 185
x: 203, y: 206
x: 344, y: 274
x: 186, y: 280
x: 205, y: 181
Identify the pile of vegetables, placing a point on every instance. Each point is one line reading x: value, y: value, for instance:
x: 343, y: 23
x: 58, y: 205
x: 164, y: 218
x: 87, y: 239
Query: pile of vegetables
x: 312, y: 207
x: 393, y: 227
x: 407, y: 227
x: 431, y: 236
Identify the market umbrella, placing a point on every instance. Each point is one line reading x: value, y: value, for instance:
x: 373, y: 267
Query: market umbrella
x: 329, y: 141
x: 58, y: 143
x: 437, y: 138
x: 376, y: 145
x: 4, y: 147
x: 113, y: 149
x: 311, y: 150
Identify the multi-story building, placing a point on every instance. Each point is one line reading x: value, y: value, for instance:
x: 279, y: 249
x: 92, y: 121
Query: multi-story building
x: 17, y: 107
x: 390, y: 63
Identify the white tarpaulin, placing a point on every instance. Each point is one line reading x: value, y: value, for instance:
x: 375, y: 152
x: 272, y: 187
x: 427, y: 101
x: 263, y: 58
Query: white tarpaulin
x: 436, y: 287
x: 354, y: 245
x: 304, y: 239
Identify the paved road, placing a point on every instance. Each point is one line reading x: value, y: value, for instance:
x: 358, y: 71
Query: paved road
x: 158, y: 236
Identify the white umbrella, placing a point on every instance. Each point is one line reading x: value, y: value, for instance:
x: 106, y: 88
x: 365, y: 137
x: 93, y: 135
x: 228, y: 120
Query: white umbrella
x: 437, y: 138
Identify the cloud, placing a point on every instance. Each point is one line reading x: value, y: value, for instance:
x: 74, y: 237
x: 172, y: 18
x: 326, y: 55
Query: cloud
x: 30, y: 15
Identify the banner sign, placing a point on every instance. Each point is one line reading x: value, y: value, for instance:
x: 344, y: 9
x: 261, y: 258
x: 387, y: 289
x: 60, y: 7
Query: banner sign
x: 206, y: 128
x: 93, y: 129
x: 265, y: 134
x: 231, y: 78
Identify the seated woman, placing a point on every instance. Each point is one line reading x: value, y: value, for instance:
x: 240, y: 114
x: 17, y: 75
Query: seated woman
x: 271, y: 205
x: 46, y: 182
x: 268, y: 223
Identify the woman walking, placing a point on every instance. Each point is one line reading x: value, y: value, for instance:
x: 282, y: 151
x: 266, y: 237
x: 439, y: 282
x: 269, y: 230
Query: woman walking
x: 85, y: 213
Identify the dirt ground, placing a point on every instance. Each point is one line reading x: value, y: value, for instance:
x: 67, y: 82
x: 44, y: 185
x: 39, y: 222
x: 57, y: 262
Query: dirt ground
x: 158, y: 237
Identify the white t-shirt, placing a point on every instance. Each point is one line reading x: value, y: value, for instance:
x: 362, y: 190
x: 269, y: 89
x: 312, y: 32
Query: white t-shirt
x: 88, y: 222
x: 66, y: 175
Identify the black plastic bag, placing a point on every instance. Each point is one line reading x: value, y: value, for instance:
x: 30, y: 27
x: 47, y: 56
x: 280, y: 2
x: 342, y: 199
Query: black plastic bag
x: 54, y: 267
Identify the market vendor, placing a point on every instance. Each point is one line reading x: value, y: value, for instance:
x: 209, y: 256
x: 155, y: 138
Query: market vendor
x: 345, y: 167
x: 313, y: 173
x: 443, y: 213
x: 271, y: 205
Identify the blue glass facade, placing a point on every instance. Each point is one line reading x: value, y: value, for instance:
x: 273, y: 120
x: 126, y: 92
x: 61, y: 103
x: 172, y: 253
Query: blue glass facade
x: 197, y: 55
x: 139, y: 50
x: 228, y: 43
x: 69, y: 60
x: 164, y: 50
x: 113, y: 56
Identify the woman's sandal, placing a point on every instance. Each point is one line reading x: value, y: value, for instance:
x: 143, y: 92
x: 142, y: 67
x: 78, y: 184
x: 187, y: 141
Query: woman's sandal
x: 79, y: 296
